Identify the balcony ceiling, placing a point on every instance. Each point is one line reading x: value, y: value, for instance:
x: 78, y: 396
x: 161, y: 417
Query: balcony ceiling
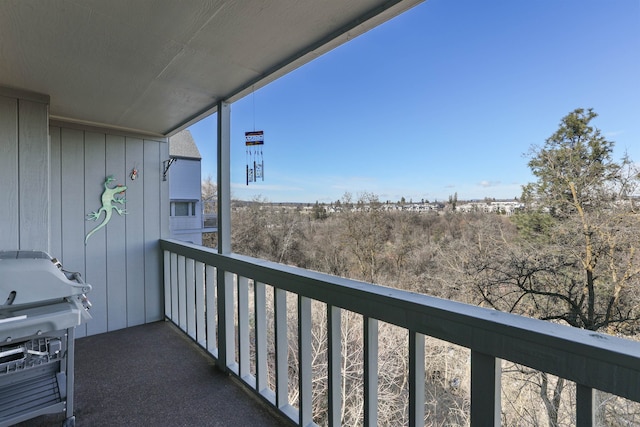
x: 156, y: 66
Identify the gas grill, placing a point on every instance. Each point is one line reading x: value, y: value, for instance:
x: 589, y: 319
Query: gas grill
x: 43, y: 303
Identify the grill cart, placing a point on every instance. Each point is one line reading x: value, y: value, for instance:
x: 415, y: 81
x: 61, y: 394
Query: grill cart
x: 40, y: 306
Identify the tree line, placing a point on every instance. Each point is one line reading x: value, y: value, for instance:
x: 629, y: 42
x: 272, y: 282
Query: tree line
x: 570, y: 257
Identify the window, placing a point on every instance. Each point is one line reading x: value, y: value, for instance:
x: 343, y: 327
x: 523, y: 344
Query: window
x: 183, y: 209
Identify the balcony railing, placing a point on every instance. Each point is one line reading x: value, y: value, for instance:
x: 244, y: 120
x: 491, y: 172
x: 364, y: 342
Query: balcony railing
x: 207, y: 296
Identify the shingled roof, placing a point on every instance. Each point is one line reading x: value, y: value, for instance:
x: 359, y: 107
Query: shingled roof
x: 182, y: 145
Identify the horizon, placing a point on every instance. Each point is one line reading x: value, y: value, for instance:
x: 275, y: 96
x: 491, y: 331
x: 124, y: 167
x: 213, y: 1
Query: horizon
x: 445, y: 98
x: 382, y: 202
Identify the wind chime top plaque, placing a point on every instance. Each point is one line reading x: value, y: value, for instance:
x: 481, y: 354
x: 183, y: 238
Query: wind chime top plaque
x: 254, y: 141
x: 254, y: 138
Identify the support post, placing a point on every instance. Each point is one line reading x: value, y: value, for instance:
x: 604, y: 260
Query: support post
x: 226, y: 339
x: 224, y: 178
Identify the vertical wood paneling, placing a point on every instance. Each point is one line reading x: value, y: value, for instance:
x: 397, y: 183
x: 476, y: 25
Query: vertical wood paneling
x: 72, y: 204
x: 72, y: 199
x: 55, y: 208
x: 95, y: 249
x: 135, y: 244
x: 116, y: 238
x: 9, y: 238
x: 152, y: 230
x: 33, y: 175
x: 121, y: 261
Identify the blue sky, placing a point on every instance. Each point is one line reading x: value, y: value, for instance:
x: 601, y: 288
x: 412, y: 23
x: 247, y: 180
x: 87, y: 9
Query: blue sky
x: 446, y: 98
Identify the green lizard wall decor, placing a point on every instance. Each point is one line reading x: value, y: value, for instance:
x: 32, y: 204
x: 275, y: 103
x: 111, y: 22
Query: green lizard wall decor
x: 108, y: 205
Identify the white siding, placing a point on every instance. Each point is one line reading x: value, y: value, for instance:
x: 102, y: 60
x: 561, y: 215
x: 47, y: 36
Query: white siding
x: 184, y: 182
x: 185, y: 186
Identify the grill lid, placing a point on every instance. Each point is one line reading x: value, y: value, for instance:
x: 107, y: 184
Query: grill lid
x: 37, y: 295
x: 30, y: 277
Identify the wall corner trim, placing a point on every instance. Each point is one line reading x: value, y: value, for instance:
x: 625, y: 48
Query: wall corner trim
x: 24, y: 94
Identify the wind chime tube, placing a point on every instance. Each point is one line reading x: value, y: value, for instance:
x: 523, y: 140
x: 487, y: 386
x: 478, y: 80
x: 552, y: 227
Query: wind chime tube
x: 255, y: 159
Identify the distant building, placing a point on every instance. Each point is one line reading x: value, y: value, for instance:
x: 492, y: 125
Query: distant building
x: 185, y: 220
x: 502, y: 207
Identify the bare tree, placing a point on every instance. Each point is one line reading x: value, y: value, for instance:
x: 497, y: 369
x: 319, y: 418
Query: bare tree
x: 365, y: 234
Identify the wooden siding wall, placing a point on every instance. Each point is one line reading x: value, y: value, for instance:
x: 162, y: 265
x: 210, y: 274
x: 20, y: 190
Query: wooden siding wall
x: 122, y: 261
x: 53, y: 175
x: 24, y: 172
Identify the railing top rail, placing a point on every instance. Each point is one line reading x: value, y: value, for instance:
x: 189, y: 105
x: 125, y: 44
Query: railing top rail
x: 597, y: 360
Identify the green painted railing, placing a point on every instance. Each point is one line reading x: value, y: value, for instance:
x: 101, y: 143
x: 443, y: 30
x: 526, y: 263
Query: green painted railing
x: 207, y: 296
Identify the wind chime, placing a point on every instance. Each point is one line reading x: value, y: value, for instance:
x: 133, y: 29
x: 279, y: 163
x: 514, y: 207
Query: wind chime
x: 255, y: 161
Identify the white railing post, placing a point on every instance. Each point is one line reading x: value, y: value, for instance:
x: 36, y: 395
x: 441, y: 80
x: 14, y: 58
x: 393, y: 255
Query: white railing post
x: 174, y: 288
x: 211, y: 309
x: 201, y: 328
x: 282, y: 348
x: 486, y: 372
x: 243, y: 327
x: 259, y: 294
x: 334, y: 356
x: 304, y: 359
x: 190, y: 286
x: 166, y: 266
x: 370, y: 371
x: 416, y: 379
x: 182, y: 293
x: 490, y: 336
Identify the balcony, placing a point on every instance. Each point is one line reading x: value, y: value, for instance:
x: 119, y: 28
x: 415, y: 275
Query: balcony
x: 69, y: 122
x: 279, y: 330
x: 258, y: 321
